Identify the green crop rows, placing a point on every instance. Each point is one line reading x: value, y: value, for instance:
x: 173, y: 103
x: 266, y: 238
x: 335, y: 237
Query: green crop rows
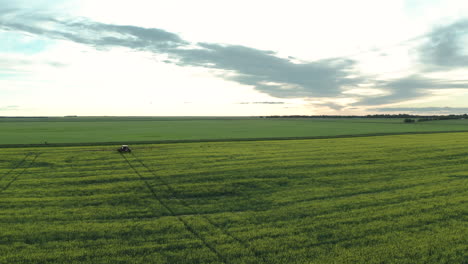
x: 150, y: 130
x: 390, y: 199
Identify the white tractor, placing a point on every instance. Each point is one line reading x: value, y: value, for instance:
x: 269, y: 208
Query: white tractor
x: 124, y: 148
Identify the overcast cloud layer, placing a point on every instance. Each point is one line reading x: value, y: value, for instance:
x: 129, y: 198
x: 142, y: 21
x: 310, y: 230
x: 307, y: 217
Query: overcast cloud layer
x: 266, y: 71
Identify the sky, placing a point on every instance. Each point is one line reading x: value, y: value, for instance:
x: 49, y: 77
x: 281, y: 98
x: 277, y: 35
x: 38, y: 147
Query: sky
x: 233, y: 58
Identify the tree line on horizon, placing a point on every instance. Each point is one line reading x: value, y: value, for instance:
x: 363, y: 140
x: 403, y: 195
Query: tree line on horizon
x: 420, y: 118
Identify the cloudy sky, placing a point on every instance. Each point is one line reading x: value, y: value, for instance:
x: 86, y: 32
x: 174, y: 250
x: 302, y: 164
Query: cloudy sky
x: 212, y: 57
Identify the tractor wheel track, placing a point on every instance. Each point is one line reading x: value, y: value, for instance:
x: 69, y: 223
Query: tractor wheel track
x: 195, y: 212
x: 183, y: 221
x: 17, y: 166
x: 21, y: 172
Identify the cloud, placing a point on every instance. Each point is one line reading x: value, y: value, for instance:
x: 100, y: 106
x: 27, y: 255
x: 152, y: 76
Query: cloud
x: 264, y: 70
x: 28, y: 7
x: 444, y: 49
x: 441, y: 110
x: 333, y: 106
x: 9, y: 107
x: 95, y: 34
x: 12, y: 66
x: 262, y: 103
x: 6, y: 60
x: 408, y: 88
x: 268, y: 73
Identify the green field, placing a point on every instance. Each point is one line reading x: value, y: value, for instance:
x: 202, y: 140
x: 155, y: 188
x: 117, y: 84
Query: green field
x: 387, y: 199
x: 151, y: 130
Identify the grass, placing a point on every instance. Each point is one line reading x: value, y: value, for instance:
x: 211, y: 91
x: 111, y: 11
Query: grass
x: 390, y: 199
x: 128, y: 129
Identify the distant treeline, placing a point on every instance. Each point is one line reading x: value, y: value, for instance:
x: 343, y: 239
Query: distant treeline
x: 420, y: 118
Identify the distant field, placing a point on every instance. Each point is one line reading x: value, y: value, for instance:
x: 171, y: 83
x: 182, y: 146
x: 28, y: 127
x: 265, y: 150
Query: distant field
x: 147, y: 129
x: 390, y: 199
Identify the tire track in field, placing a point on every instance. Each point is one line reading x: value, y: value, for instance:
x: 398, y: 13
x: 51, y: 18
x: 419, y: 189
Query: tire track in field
x: 183, y: 221
x: 21, y: 172
x: 174, y: 193
x: 17, y: 165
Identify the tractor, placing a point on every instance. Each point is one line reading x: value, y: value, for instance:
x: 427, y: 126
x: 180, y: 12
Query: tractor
x: 124, y: 149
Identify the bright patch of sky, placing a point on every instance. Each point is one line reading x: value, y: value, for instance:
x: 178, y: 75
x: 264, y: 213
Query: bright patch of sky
x: 212, y: 57
x: 19, y: 43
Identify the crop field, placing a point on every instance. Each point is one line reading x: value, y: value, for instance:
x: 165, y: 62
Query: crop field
x: 159, y: 129
x: 385, y: 199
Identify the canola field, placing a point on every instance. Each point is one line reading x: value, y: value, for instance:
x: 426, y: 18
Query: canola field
x: 386, y: 199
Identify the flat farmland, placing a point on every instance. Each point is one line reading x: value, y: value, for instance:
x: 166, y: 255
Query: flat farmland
x: 80, y: 130
x: 386, y: 199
